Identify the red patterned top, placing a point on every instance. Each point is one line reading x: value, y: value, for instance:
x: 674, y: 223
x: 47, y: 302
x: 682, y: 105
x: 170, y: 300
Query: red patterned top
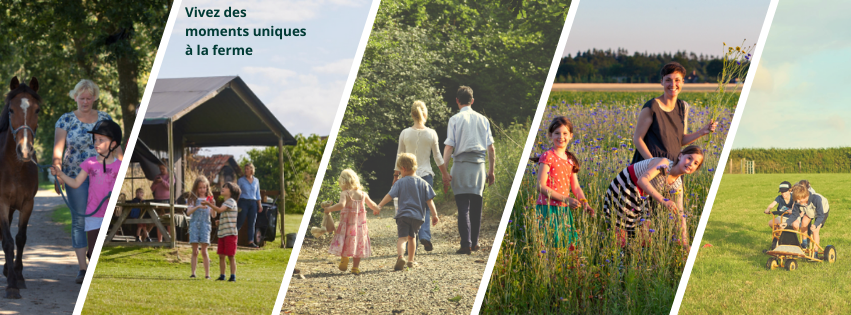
x: 558, y: 179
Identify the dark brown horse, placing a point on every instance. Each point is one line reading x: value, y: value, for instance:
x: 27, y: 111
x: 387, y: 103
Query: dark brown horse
x: 18, y: 176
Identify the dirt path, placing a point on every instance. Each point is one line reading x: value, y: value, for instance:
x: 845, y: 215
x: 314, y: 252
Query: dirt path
x: 427, y: 289
x: 50, y: 265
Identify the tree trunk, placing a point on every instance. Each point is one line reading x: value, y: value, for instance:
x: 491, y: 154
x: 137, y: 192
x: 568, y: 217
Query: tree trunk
x: 128, y: 92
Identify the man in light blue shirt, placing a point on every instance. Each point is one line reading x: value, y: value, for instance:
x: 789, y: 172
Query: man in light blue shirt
x: 469, y: 142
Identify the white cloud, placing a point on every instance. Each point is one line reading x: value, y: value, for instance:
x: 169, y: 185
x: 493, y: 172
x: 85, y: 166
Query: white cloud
x: 276, y: 75
x: 342, y: 66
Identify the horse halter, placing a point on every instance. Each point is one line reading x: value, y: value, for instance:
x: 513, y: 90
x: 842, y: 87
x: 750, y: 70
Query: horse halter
x: 15, y: 130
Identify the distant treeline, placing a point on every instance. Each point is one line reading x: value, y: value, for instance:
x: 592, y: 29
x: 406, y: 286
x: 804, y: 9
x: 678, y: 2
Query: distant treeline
x: 618, y: 66
x: 826, y: 160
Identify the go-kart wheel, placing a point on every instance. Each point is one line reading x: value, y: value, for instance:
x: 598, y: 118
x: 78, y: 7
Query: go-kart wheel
x: 830, y: 253
x: 791, y: 264
x: 772, y: 263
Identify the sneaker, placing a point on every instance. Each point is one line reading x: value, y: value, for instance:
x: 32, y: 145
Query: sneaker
x: 463, y: 251
x: 81, y: 275
x: 427, y: 245
x: 207, y: 277
x: 192, y: 276
x: 232, y: 278
x: 138, y: 239
x: 412, y: 264
x: 149, y: 240
x: 475, y: 248
x: 344, y: 263
x: 221, y: 278
x: 252, y: 245
x: 400, y: 264
x: 355, y: 271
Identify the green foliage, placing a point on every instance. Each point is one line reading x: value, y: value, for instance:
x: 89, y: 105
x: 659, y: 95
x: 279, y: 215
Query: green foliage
x: 730, y: 276
x: 608, y: 66
x: 774, y: 160
x: 300, y: 164
x: 113, y: 43
x: 424, y: 50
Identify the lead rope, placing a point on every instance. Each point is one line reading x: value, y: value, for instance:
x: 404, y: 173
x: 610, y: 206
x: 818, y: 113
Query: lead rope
x: 62, y: 193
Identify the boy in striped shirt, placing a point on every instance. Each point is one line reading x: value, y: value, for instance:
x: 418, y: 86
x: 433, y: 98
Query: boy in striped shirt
x: 227, y: 229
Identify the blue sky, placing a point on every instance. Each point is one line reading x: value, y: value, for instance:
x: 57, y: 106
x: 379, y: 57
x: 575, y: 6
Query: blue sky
x: 665, y: 25
x: 300, y: 79
x: 799, y: 97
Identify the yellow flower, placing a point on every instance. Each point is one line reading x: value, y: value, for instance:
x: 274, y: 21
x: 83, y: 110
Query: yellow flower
x: 738, y: 48
x: 725, y: 43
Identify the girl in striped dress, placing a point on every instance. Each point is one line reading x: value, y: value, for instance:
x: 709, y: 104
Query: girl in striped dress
x: 557, y: 169
x: 634, y: 192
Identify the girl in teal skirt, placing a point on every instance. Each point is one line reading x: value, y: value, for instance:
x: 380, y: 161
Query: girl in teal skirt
x: 557, y: 169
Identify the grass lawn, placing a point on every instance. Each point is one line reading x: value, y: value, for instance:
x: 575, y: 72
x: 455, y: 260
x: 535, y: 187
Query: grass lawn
x: 156, y: 281
x: 62, y: 215
x: 730, y: 276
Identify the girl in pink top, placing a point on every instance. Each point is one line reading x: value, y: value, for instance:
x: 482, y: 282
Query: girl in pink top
x: 557, y: 169
x: 101, y: 172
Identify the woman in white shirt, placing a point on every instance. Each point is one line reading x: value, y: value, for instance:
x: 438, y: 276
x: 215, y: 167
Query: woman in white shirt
x: 422, y: 141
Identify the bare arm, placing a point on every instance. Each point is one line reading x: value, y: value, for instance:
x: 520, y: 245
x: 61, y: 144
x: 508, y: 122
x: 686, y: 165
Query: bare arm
x: 688, y: 138
x: 58, y: 147
x: 371, y: 204
x: 399, y: 152
x: 339, y: 206
x: 771, y: 205
x: 212, y: 206
x: 387, y: 199
x: 492, y: 161
x: 645, y: 119
x: 433, y: 210
x: 644, y: 183
x: 71, y: 182
x: 577, y: 191
x: 191, y: 209
x: 543, y: 176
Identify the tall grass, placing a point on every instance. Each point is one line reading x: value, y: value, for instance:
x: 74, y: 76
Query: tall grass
x: 598, y: 276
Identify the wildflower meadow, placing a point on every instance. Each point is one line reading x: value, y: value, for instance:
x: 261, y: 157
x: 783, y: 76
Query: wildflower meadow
x: 597, y: 275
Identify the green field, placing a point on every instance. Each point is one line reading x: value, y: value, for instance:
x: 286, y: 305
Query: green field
x: 730, y: 277
x: 133, y: 280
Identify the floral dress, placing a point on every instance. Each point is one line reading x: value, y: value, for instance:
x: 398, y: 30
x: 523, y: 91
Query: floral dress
x: 78, y: 141
x: 352, y: 236
x: 558, y: 219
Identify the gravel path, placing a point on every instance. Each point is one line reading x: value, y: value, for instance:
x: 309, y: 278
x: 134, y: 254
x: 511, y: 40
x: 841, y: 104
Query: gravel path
x: 50, y: 265
x: 443, y: 283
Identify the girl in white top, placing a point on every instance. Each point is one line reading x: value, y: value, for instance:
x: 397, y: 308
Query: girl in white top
x: 422, y: 141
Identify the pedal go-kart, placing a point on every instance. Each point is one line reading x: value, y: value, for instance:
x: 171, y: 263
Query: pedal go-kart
x: 787, y: 249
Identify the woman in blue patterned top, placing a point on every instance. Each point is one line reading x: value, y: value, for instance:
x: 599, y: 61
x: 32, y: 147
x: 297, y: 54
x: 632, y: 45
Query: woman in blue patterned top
x: 73, y: 145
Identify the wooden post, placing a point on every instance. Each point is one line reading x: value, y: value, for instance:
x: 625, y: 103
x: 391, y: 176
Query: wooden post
x: 283, y: 204
x: 172, y: 186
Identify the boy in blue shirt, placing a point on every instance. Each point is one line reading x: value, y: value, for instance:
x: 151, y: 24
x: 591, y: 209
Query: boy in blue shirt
x: 414, y: 195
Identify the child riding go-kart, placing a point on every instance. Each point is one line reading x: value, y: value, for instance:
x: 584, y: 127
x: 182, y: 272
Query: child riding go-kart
x: 786, y: 247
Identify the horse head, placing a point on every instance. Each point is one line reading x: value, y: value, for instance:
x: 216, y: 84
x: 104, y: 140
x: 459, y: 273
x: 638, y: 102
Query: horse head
x: 20, y: 116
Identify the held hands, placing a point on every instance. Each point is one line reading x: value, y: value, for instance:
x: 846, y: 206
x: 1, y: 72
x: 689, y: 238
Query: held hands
x: 447, y: 182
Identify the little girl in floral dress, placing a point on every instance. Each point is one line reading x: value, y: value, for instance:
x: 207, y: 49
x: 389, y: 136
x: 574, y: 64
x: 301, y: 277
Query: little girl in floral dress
x: 557, y: 169
x: 352, y: 236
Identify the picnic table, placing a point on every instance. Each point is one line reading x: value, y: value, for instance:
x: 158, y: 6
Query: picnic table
x: 146, y: 207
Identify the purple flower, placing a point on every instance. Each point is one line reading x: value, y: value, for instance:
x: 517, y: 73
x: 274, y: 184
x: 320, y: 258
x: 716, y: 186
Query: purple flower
x: 543, y: 252
x: 666, y: 199
x: 652, y: 230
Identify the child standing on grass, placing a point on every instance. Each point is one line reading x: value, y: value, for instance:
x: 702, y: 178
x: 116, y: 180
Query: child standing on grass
x: 557, y: 169
x: 352, y: 236
x: 101, y: 171
x: 227, y: 229
x: 200, y: 223
x: 414, y: 193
